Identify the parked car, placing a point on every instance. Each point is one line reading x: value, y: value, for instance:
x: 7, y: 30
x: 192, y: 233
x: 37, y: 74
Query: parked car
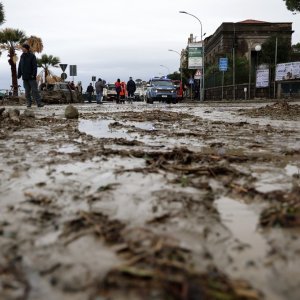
x: 139, y: 94
x: 109, y: 93
x: 161, y: 89
x: 3, y: 94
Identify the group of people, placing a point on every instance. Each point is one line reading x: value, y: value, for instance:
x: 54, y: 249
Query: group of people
x: 27, y: 69
x: 121, y: 89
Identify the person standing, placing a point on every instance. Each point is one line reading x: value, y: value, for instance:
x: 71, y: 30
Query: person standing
x: 99, y: 86
x: 131, y: 88
x: 90, y: 92
x: 123, y: 92
x: 27, y: 69
x: 118, y: 89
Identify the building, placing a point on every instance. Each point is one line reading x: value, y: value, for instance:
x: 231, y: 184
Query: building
x: 242, y: 37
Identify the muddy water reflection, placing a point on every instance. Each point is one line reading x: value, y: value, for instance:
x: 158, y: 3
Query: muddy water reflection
x: 242, y: 222
x: 101, y: 129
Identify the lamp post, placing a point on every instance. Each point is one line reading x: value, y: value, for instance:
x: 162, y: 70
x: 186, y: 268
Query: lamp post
x: 171, y: 50
x: 166, y: 68
x: 203, y: 75
x: 257, y: 49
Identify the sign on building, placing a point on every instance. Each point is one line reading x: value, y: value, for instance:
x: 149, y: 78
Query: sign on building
x: 195, y: 55
x: 262, y: 78
x: 288, y: 71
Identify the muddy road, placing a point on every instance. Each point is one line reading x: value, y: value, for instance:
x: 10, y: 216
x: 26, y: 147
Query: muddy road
x: 136, y: 201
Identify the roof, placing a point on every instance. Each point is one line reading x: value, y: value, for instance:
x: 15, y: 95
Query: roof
x: 250, y: 21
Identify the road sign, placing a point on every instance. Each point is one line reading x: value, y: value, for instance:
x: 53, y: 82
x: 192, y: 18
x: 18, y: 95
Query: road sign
x: 223, y: 64
x: 195, y: 55
x: 73, y: 70
x: 63, y: 76
x: 63, y: 67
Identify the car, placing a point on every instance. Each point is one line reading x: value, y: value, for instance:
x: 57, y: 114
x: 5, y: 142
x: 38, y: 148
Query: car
x: 161, y: 89
x: 109, y: 93
x: 139, y: 94
x: 3, y: 94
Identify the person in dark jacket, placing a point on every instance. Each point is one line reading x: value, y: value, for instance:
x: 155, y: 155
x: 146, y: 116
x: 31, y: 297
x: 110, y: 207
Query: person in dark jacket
x: 90, y: 92
x: 27, y: 69
x: 131, y: 88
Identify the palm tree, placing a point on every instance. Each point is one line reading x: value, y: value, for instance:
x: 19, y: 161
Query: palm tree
x: 2, y: 18
x: 46, y: 62
x: 10, y: 40
x: 2, y: 15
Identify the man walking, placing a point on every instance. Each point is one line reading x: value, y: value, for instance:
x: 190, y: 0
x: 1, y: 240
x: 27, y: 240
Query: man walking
x: 27, y: 69
x: 99, y: 86
x: 131, y: 88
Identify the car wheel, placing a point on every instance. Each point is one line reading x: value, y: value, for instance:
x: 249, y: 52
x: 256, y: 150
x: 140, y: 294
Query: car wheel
x: 149, y: 100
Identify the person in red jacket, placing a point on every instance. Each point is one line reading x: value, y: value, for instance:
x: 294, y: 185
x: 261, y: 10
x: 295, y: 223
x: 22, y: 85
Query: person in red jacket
x: 123, y: 92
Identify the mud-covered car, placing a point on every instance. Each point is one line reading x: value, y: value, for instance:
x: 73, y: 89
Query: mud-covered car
x: 139, y: 94
x: 161, y: 89
x: 109, y: 92
x: 3, y: 94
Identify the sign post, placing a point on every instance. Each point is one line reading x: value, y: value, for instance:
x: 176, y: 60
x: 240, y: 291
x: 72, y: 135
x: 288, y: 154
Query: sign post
x: 195, y: 60
x: 73, y: 71
x: 223, y: 66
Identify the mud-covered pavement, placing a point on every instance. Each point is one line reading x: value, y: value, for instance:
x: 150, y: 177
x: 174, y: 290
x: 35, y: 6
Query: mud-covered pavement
x: 135, y: 201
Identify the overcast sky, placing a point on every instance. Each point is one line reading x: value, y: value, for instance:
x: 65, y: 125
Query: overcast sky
x: 117, y: 38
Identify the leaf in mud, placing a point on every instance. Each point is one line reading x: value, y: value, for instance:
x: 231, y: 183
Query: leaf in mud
x: 184, y: 181
x: 96, y: 222
x: 284, y: 210
x: 107, y: 187
x: 39, y: 199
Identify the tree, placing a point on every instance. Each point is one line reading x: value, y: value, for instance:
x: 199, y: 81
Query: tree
x: 269, y: 49
x: 2, y: 15
x: 10, y: 40
x: 293, y: 5
x: 46, y: 62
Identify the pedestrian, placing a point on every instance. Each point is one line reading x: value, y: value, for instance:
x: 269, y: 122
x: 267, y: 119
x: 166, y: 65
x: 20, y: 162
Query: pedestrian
x: 118, y: 89
x: 123, y: 92
x: 72, y: 86
x: 27, y: 69
x: 99, y: 86
x: 131, y: 88
x: 90, y: 92
x: 79, y: 87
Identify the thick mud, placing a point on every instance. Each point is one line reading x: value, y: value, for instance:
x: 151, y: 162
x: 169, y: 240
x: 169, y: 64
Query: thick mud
x: 136, y: 201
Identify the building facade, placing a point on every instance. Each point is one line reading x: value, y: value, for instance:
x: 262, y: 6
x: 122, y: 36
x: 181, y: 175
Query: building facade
x: 243, y: 37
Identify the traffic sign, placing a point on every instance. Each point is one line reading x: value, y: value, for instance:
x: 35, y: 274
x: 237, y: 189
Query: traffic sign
x: 73, y: 70
x: 63, y: 67
x: 223, y: 64
x: 63, y: 76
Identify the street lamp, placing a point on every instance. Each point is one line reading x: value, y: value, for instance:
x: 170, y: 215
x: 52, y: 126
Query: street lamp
x: 257, y: 49
x: 166, y: 68
x: 203, y: 76
x: 171, y: 50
